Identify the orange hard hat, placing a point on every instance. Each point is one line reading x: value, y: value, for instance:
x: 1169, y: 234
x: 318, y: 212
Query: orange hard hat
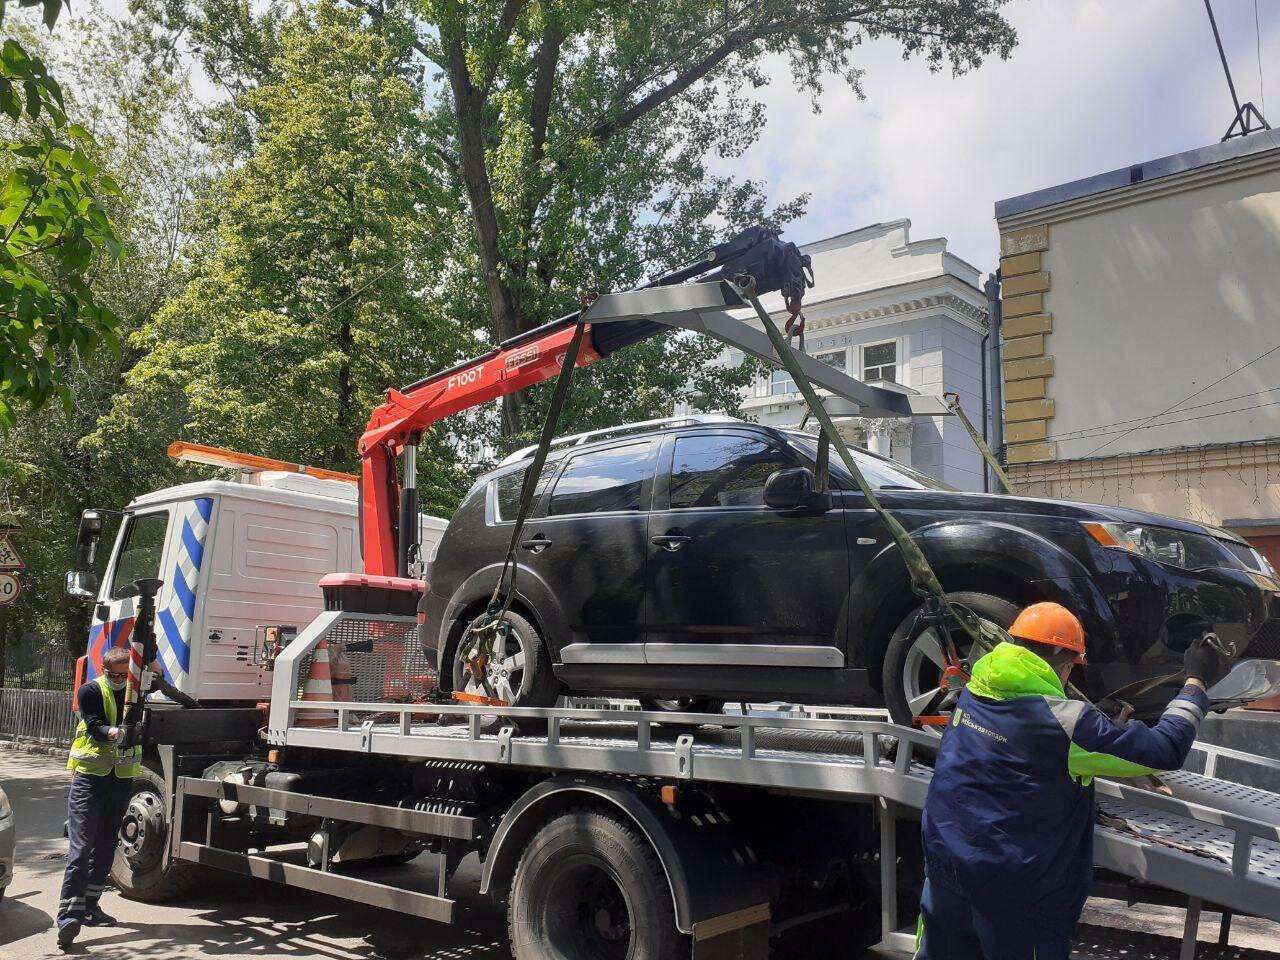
x: 1051, y: 624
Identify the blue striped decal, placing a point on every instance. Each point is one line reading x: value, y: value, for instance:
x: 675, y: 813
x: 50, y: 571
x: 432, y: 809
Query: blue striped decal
x: 180, y: 649
x: 205, y: 506
x: 194, y: 547
x: 184, y: 593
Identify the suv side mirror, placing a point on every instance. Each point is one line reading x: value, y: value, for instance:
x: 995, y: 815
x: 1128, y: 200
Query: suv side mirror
x: 82, y: 585
x: 793, y: 488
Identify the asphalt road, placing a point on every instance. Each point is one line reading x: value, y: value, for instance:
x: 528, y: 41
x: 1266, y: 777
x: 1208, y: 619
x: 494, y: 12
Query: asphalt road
x: 227, y: 917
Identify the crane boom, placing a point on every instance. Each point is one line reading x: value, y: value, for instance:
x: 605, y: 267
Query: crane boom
x: 613, y: 321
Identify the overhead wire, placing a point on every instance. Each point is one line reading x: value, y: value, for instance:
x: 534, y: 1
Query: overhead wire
x: 1174, y: 406
x: 1102, y: 429
x: 1257, y: 32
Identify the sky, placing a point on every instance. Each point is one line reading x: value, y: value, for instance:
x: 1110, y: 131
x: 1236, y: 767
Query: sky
x: 1093, y: 85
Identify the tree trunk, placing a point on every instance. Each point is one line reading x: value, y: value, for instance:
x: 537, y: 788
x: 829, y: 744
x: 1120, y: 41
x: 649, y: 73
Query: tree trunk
x: 504, y: 312
x: 344, y: 339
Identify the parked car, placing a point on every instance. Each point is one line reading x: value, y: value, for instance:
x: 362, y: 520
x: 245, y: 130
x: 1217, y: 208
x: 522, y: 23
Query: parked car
x: 690, y: 562
x: 6, y: 842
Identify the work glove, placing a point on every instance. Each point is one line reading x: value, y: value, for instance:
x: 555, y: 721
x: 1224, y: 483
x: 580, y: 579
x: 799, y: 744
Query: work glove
x: 1203, y: 662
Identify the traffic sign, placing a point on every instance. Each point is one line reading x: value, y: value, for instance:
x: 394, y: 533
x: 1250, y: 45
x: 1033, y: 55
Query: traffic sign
x: 10, y: 559
x: 9, y: 588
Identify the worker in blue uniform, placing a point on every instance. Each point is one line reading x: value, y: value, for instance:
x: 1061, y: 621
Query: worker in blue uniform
x: 101, y: 785
x: 1008, y: 824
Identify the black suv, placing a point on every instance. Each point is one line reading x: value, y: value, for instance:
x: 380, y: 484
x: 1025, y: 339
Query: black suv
x: 687, y: 562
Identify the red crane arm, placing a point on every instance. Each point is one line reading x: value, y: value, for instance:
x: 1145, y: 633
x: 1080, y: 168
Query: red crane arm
x: 392, y: 425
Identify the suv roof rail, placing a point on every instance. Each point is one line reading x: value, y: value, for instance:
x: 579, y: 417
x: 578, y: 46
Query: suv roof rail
x: 623, y: 430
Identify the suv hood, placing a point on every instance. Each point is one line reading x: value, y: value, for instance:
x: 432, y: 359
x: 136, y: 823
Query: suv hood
x: 1069, y: 509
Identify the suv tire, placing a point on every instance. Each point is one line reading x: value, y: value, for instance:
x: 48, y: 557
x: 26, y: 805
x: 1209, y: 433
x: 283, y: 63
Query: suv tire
x: 903, y: 654
x: 537, y: 685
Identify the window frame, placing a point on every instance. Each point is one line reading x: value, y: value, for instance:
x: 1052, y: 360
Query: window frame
x: 108, y: 592
x: 666, y: 458
x: 897, y: 360
x: 844, y: 366
x: 646, y: 486
x: 493, y: 516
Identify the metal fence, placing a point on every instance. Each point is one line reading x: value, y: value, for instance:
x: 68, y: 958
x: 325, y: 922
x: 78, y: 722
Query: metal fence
x: 43, y: 715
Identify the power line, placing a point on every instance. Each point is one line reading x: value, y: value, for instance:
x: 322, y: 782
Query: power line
x: 1257, y: 32
x: 1191, y: 396
x: 1203, y: 416
x: 1098, y: 430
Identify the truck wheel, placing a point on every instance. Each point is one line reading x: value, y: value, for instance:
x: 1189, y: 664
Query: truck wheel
x: 139, y: 868
x: 589, y: 885
x: 521, y: 675
x: 913, y: 660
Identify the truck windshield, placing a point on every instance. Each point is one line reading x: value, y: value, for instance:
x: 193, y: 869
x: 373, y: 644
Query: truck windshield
x: 881, y: 472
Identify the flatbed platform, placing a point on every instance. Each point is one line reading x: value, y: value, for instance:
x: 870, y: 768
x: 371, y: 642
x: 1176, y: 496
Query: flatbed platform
x: 1213, y: 839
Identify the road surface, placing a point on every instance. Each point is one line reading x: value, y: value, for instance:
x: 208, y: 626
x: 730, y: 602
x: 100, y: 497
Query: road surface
x: 227, y: 917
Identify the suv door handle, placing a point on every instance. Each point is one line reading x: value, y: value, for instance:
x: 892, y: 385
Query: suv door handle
x: 537, y: 544
x: 670, y: 541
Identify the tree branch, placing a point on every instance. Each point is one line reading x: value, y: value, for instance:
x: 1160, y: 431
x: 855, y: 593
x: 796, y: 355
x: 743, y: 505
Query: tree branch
x: 506, y: 23
x: 544, y: 85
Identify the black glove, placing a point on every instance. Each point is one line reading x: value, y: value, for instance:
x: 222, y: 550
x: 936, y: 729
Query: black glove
x: 1203, y: 662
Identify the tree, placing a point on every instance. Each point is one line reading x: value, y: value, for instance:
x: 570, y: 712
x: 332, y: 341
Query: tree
x: 579, y: 134
x: 318, y: 257
x: 56, y: 232
x: 142, y: 125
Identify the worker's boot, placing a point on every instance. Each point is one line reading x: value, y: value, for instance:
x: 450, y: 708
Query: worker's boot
x: 68, y: 930
x: 95, y: 917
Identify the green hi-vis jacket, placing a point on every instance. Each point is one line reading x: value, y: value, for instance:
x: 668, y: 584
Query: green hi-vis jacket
x: 1010, y: 809
x: 92, y: 754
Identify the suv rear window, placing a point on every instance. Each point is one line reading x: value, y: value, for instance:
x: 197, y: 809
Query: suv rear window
x: 604, y: 480
x: 508, y: 492
x: 722, y: 471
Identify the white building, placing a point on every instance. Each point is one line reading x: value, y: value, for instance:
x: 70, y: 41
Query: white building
x: 887, y: 309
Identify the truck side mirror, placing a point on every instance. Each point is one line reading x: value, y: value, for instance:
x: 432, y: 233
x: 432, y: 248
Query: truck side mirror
x: 82, y: 585
x: 793, y: 488
x: 87, y: 537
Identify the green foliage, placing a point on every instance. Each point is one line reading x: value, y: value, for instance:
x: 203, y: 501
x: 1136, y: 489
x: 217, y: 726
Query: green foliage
x: 56, y: 230
x: 325, y: 242
x: 142, y: 125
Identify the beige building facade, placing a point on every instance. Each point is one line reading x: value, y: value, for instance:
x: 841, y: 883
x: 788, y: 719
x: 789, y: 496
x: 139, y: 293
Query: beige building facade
x: 1141, y: 337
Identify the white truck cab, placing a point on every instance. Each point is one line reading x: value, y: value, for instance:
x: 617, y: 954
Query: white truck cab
x: 234, y: 557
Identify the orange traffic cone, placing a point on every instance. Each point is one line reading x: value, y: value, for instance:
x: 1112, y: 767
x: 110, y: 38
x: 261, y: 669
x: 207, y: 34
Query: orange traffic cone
x: 318, y: 687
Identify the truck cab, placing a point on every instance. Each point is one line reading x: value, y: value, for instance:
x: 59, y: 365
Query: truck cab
x: 234, y: 557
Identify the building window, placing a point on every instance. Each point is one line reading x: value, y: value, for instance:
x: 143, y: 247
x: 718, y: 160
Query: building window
x: 880, y: 362
x: 781, y: 382
x: 834, y: 358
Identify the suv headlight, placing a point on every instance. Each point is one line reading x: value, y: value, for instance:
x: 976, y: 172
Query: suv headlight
x: 1191, y: 551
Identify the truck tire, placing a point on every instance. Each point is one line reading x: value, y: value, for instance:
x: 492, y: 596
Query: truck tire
x: 528, y: 673
x: 590, y: 885
x: 139, y: 868
x: 906, y: 669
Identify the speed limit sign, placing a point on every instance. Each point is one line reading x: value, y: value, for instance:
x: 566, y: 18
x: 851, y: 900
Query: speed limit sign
x: 9, y: 588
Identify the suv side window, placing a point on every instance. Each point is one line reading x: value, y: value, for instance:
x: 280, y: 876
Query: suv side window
x: 722, y: 470
x: 507, y: 490
x: 140, y: 553
x: 603, y: 480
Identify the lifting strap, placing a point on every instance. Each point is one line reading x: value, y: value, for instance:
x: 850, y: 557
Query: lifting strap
x: 952, y: 400
x: 494, y: 624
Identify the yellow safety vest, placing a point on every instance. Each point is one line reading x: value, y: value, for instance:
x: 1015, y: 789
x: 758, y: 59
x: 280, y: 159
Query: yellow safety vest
x: 99, y: 758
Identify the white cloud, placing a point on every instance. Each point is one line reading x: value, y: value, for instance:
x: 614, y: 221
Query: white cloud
x: 1092, y: 85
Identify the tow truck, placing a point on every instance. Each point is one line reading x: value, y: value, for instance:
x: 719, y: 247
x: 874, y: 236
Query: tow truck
x: 608, y: 833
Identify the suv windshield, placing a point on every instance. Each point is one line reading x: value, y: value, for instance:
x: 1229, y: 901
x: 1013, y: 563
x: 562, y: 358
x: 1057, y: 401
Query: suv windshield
x: 881, y: 472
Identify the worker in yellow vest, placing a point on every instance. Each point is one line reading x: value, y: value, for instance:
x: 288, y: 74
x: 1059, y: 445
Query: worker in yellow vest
x: 101, y: 785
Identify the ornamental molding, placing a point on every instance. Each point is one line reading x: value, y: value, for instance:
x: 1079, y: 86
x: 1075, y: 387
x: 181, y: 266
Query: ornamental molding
x: 901, y: 309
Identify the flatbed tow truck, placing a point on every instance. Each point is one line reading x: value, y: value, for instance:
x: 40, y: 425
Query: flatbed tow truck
x: 646, y: 835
